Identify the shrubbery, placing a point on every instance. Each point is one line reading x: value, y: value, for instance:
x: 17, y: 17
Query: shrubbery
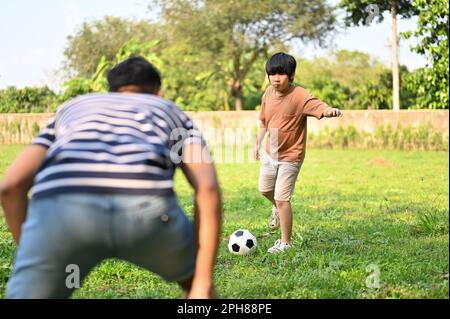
x: 423, y: 137
x: 28, y: 100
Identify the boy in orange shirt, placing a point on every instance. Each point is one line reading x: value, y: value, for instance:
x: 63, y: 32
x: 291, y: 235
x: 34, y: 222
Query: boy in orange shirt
x: 284, y: 111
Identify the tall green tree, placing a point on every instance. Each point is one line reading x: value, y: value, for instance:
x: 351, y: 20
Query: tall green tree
x: 103, y: 38
x: 364, y: 12
x: 224, y: 38
x: 432, y: 82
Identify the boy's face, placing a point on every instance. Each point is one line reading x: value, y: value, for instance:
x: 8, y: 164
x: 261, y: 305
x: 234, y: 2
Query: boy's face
x: 280, y: 82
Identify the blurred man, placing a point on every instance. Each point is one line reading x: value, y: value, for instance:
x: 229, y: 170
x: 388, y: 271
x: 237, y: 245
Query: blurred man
x: 102, y: 175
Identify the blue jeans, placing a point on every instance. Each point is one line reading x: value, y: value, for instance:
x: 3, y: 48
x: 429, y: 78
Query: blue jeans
x: 80, y: 230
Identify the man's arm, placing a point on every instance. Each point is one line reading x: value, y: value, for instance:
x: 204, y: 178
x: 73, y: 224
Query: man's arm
x: 16, y: 184
x: 207, y: 216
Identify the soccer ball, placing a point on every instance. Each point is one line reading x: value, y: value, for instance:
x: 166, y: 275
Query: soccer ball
x: 242, y: 242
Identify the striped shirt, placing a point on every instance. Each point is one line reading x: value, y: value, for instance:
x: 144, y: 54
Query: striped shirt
x: 113, y: 143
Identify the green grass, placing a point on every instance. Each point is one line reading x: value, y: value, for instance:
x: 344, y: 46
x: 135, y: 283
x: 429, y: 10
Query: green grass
x: 352, y: 209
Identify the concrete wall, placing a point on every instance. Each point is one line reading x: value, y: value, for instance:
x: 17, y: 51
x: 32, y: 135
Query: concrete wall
x: 248, y: 120
x: 362, y: 120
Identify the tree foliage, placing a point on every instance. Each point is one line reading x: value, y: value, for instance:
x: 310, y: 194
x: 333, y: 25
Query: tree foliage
x: 352, y: 80
x: 27, y: 100
x: 98, y: 82
x: 364, y: 12
x: 225, y: 38
x: 212, y: 54
x: 348, y: 80
x: 431, y: 83
x: 102, y: 38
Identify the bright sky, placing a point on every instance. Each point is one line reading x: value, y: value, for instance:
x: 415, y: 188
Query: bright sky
x: 33, y: 37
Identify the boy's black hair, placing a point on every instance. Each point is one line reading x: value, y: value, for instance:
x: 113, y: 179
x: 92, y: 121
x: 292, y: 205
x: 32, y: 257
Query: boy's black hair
x: 281, y: 63
x: 137, y: 71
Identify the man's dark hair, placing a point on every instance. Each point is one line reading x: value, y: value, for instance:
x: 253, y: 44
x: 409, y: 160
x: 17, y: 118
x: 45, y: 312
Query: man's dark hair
x: 281, y: 63
x: 134, y: 71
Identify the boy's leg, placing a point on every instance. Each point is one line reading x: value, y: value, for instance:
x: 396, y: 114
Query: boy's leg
x: 270, y: 196
x: 285, y: 213
x: 284, y: 188
x: 267, y: 180
x: 62, y: 239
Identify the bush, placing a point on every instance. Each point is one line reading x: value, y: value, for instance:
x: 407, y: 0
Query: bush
x: 423, y: 137
x: 27, y: 100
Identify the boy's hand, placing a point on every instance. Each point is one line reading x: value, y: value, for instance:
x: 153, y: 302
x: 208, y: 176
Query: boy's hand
x: 256, y: 155
x: 332, y: 112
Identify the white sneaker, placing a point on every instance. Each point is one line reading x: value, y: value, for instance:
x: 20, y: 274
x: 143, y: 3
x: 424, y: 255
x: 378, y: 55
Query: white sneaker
x: 279, y: 247
x: 274, y: 222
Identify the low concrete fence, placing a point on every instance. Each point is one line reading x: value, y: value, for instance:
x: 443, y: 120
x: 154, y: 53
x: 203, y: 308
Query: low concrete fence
x: 21, y: 128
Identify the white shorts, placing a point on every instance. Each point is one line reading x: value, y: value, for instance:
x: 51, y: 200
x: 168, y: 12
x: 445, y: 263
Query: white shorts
x: 279, y: 177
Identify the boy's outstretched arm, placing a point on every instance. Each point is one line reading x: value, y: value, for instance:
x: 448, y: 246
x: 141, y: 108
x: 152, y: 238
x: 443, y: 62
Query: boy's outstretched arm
x: 207, y: 216
x: 315, y: 107
x: 332, y: 112
x: 16, y: 184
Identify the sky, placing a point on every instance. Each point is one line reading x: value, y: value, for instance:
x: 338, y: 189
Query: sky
x: 33, y: 35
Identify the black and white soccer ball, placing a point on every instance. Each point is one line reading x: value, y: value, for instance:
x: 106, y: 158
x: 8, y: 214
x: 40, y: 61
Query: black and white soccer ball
x: 242, y: 242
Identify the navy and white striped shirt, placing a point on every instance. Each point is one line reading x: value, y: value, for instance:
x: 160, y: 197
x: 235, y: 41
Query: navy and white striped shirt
x: 113, y: 143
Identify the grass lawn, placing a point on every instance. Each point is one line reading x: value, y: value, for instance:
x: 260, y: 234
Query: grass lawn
x: 367, y: 224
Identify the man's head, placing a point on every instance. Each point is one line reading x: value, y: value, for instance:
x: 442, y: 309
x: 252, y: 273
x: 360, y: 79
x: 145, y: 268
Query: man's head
x: 135, y: 74
x: 280, y: 69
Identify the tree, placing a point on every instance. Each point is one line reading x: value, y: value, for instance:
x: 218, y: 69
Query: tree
x: 432, y: 82
x: 98, y: 82
x: 102, y: 38
x: 347, y: 79
x: 224, y: 38
x: 363, y: 12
